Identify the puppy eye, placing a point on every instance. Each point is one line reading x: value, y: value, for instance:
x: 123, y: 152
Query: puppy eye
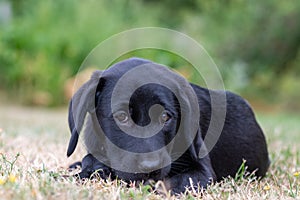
x: 121, y: 116
x: 165, y: 116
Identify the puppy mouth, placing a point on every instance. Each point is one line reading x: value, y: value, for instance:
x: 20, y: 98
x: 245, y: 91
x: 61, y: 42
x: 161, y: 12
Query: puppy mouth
x: 154, y: 175
x: 141, y: 177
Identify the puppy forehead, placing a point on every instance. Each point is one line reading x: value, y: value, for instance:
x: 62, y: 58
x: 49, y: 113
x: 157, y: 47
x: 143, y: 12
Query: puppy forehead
x: 148, y: 94
x: 153, y: 92
x: 149, y: 68
x: 119, y: 69
x: 116, y: 72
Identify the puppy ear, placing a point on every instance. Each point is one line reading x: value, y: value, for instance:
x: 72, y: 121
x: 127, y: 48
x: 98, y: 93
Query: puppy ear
x: 196, y: 145
x: 83, y: 101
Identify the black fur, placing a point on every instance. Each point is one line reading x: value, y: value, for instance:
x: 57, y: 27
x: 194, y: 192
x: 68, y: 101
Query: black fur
x: 241, y: 137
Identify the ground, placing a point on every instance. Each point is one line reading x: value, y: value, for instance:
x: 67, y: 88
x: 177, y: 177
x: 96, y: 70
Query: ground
x: 33, y: 162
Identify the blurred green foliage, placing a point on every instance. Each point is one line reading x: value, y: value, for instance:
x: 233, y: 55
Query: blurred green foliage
x: 255, y: 44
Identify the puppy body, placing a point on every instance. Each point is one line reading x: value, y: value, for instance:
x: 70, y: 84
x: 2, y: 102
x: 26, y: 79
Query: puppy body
x: 241, y: 137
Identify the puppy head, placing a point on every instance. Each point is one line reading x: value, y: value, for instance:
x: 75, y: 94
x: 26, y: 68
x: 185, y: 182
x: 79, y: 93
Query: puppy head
x: 139, y: 115
x: 151, y: 107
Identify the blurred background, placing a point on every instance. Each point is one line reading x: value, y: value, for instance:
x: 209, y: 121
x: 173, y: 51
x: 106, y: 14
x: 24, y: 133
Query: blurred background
x: 255, y: 45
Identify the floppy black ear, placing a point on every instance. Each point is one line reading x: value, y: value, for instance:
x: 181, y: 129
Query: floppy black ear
x: 74, y: 134
x: 195, y: 147
x: 83, y: 101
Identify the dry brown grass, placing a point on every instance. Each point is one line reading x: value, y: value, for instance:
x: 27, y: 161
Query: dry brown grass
x: 40, y: 138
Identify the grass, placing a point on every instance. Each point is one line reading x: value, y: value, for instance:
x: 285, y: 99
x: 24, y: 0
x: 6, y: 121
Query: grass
x: 33, y: 163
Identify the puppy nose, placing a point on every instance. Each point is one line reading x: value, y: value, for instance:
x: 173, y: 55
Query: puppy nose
x: 147, y: 166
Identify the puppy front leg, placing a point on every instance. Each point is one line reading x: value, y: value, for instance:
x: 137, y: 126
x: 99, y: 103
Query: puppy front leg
x: 200, y: 174
x: 91, y: 165
x: 194, y: 178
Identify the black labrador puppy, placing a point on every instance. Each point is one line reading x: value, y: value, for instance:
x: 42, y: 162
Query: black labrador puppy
x: 146, y: 122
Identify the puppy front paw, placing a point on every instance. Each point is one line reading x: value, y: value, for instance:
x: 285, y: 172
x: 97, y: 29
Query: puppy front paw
x: 92, y: 168
x: 176, y: 184
x: 75, y: 165
x: 180, y: 183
